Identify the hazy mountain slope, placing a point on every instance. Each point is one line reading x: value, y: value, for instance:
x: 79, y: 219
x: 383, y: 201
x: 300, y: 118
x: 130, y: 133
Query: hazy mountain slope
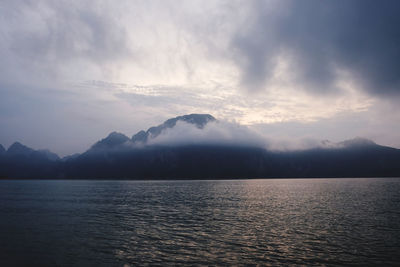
x: 199, y: 120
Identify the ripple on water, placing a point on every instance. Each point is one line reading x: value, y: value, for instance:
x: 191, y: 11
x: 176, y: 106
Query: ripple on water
x: 238, y: 222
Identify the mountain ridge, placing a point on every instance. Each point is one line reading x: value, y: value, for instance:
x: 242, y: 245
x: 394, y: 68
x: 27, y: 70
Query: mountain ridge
x: 119, y: 157
x: 199, y: 120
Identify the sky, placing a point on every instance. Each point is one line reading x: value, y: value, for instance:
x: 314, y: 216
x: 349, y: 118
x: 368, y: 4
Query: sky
x: 71, y: 72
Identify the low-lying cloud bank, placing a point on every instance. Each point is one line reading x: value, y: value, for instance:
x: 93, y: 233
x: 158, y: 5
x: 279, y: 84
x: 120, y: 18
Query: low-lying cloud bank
x: 230, y: 133
x: 213, y: 133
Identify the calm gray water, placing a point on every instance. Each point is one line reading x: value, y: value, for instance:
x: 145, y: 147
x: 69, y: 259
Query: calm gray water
x: 240, y: 222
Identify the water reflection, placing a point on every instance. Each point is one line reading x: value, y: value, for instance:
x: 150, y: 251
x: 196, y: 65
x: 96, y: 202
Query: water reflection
x: 277, y: 222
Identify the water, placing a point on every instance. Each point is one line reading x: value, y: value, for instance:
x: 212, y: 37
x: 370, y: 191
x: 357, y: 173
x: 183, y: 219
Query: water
x: 240, y: 222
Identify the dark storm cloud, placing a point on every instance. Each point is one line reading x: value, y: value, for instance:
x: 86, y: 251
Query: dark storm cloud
x: 359, y: 36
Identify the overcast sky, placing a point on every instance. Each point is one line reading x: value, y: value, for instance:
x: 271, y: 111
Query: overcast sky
x: 73, y: 71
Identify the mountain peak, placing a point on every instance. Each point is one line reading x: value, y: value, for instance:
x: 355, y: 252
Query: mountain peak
x: 113, y: 139
x: 199, y: 120
x: 117, y: 136
x: 18, y: 148
x: 2, y: 149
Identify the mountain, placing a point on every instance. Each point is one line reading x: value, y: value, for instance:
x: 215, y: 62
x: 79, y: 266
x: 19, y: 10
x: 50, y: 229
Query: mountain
x: 20, y: 161
x: 120, y: 157
x: 19, y: 150
x: 117, y: 141
x: 231, y: 162
x: 2, y: 150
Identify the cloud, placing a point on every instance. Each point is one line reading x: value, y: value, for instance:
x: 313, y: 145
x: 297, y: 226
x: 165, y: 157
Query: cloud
x: 47, y: 42
x: 213, y: 133
x: 302, y: 62
x: 234, y: 134
x: 377, y: 124
x: 318, y: 39
x: 261, y: 44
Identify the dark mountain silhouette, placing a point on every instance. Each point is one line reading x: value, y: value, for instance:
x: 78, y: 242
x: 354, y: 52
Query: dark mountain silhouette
x: 18, y: 149
x: 119, y: 157
x: 20, y: 161
x: 201, y: 161
x: 2, y: 150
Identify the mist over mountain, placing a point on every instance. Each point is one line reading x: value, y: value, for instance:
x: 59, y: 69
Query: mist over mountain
x: 197, y: 146
x: 118, y: 141
x: 357, y: 142
x: 196, y: 120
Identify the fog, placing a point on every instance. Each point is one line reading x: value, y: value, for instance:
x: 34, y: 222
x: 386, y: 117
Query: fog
x: 234, y: 134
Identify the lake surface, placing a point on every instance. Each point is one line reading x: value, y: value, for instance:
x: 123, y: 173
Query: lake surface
x: 238, y: 222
